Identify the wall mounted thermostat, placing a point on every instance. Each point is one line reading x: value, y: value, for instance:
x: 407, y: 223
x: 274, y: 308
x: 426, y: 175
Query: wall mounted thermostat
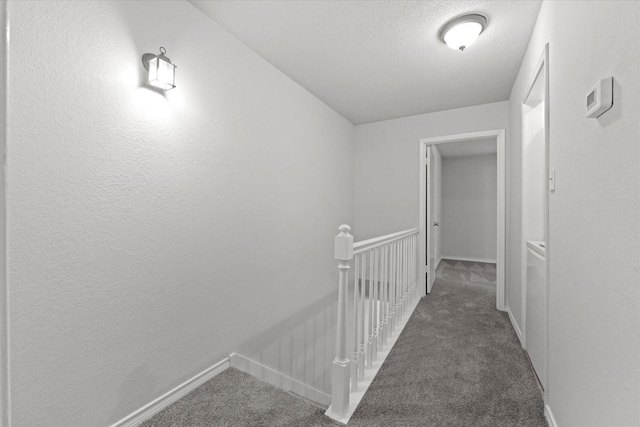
x: 600, y: 98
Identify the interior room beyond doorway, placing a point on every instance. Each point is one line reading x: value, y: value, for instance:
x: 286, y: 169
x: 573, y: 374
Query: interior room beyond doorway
x: 466, y: 201
x: 462, y: 203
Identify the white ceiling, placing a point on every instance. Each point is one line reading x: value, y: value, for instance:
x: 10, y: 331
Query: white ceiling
x: 476, y: 147
x: 378, y: 60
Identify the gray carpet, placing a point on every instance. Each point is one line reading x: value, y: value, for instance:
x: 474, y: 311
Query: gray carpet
x: 234, y: 398
x: 458, y: 362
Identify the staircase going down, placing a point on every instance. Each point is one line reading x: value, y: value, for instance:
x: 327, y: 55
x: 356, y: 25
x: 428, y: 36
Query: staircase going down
x: 458, y: 362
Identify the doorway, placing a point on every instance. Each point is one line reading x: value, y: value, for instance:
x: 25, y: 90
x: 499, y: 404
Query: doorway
x: 535, y: 218
x: 428, y: 226
x: 427, y: 242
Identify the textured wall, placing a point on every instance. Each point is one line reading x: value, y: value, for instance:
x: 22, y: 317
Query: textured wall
x: 469, y: 207
x: 151, y: 234
x: 594, y: 297
x: 387, y: 168
x: 387, y: 160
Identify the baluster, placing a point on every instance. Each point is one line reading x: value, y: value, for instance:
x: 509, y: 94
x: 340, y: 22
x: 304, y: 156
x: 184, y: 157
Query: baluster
x: 383, y: 299
x: 370, y: 305
x: 389, y: 324
x: 409, y: 264
x: 386, y: 292
x: 354, y: 340
x: 340, y: 369
x: 406, y: 301
x: 405, y: 270
x: 413, y: 268
x: 396, y: 286
x: 410, y: 278
x: 361, y: 317
x: 392, y: 288
x: 400, y: 272
x: 374, y: 317
x: 410, y: 270
x: 380, y: 299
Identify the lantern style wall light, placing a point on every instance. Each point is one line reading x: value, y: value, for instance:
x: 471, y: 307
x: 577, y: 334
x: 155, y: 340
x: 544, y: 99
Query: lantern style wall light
x: 162, y: 73
x: 462, y: 32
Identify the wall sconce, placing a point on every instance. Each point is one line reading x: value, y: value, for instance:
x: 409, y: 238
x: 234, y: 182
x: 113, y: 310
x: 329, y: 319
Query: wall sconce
x: 162, y: 73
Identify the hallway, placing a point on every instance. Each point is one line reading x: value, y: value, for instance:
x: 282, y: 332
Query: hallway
x: 149, y: 234
x: 458, y: 362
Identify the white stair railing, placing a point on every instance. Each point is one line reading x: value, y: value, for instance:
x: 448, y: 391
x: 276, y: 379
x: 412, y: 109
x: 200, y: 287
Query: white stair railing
x: 373, y: 305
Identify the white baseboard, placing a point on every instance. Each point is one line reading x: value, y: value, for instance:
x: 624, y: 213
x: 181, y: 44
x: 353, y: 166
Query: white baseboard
x: 549, y: 416
x: 438, y: 262
x: 273, y: 377
x: 515, y: 326
x: 461, y: 258
x: 168, y: 398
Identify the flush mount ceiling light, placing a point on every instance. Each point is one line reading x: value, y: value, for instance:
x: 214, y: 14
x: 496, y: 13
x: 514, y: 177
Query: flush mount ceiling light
x: 162, y: 73
x: 461, y: 32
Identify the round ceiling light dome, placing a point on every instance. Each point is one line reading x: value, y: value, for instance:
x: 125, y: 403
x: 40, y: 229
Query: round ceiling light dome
x: 462, y: 32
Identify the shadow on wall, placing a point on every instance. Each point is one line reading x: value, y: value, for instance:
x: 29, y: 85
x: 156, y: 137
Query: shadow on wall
x: 302, y: 346
x: 615, y: 113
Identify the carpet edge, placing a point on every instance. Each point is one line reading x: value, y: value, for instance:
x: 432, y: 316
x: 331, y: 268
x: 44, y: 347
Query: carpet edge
x: 278, y: 379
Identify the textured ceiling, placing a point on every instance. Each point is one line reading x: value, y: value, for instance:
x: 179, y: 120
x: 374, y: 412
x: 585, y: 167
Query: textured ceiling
x: 468, y: 148
x: 378, y: 60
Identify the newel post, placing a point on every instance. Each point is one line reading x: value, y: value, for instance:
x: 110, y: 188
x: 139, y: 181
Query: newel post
x: 340, y: 375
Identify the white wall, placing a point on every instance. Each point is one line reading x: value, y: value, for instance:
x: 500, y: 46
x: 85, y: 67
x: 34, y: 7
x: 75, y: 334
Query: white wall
x: 387, y: 163
x: 151, y: 234
x: 594, y: 297
x: 469, y: 207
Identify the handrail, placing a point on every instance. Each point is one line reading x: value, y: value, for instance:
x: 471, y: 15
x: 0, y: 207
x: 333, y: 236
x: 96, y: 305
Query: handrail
x: 363, y: 245
x: 372, y: 306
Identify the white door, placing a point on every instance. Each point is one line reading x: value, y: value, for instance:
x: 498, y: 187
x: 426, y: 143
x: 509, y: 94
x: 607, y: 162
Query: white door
x: 432, y: 222
x: 427, y: 227
x: 536, y: 310
x: 435, y: 179
x: 535, y: 216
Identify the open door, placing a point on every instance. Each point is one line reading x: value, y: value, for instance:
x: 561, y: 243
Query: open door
x: 427, y: 207
x: 424, y: 254
x: 434, y: 178
x: 535, y: 218
x: 431, y: 218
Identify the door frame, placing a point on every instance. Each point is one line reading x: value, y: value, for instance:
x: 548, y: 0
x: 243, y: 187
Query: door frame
x: 541, y: 70
x: 424, y: 216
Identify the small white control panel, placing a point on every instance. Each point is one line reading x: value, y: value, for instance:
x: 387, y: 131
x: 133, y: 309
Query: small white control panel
x: 600, y: 98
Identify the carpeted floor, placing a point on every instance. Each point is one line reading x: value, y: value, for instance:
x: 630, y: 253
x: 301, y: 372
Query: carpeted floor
x: 458, y: 362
